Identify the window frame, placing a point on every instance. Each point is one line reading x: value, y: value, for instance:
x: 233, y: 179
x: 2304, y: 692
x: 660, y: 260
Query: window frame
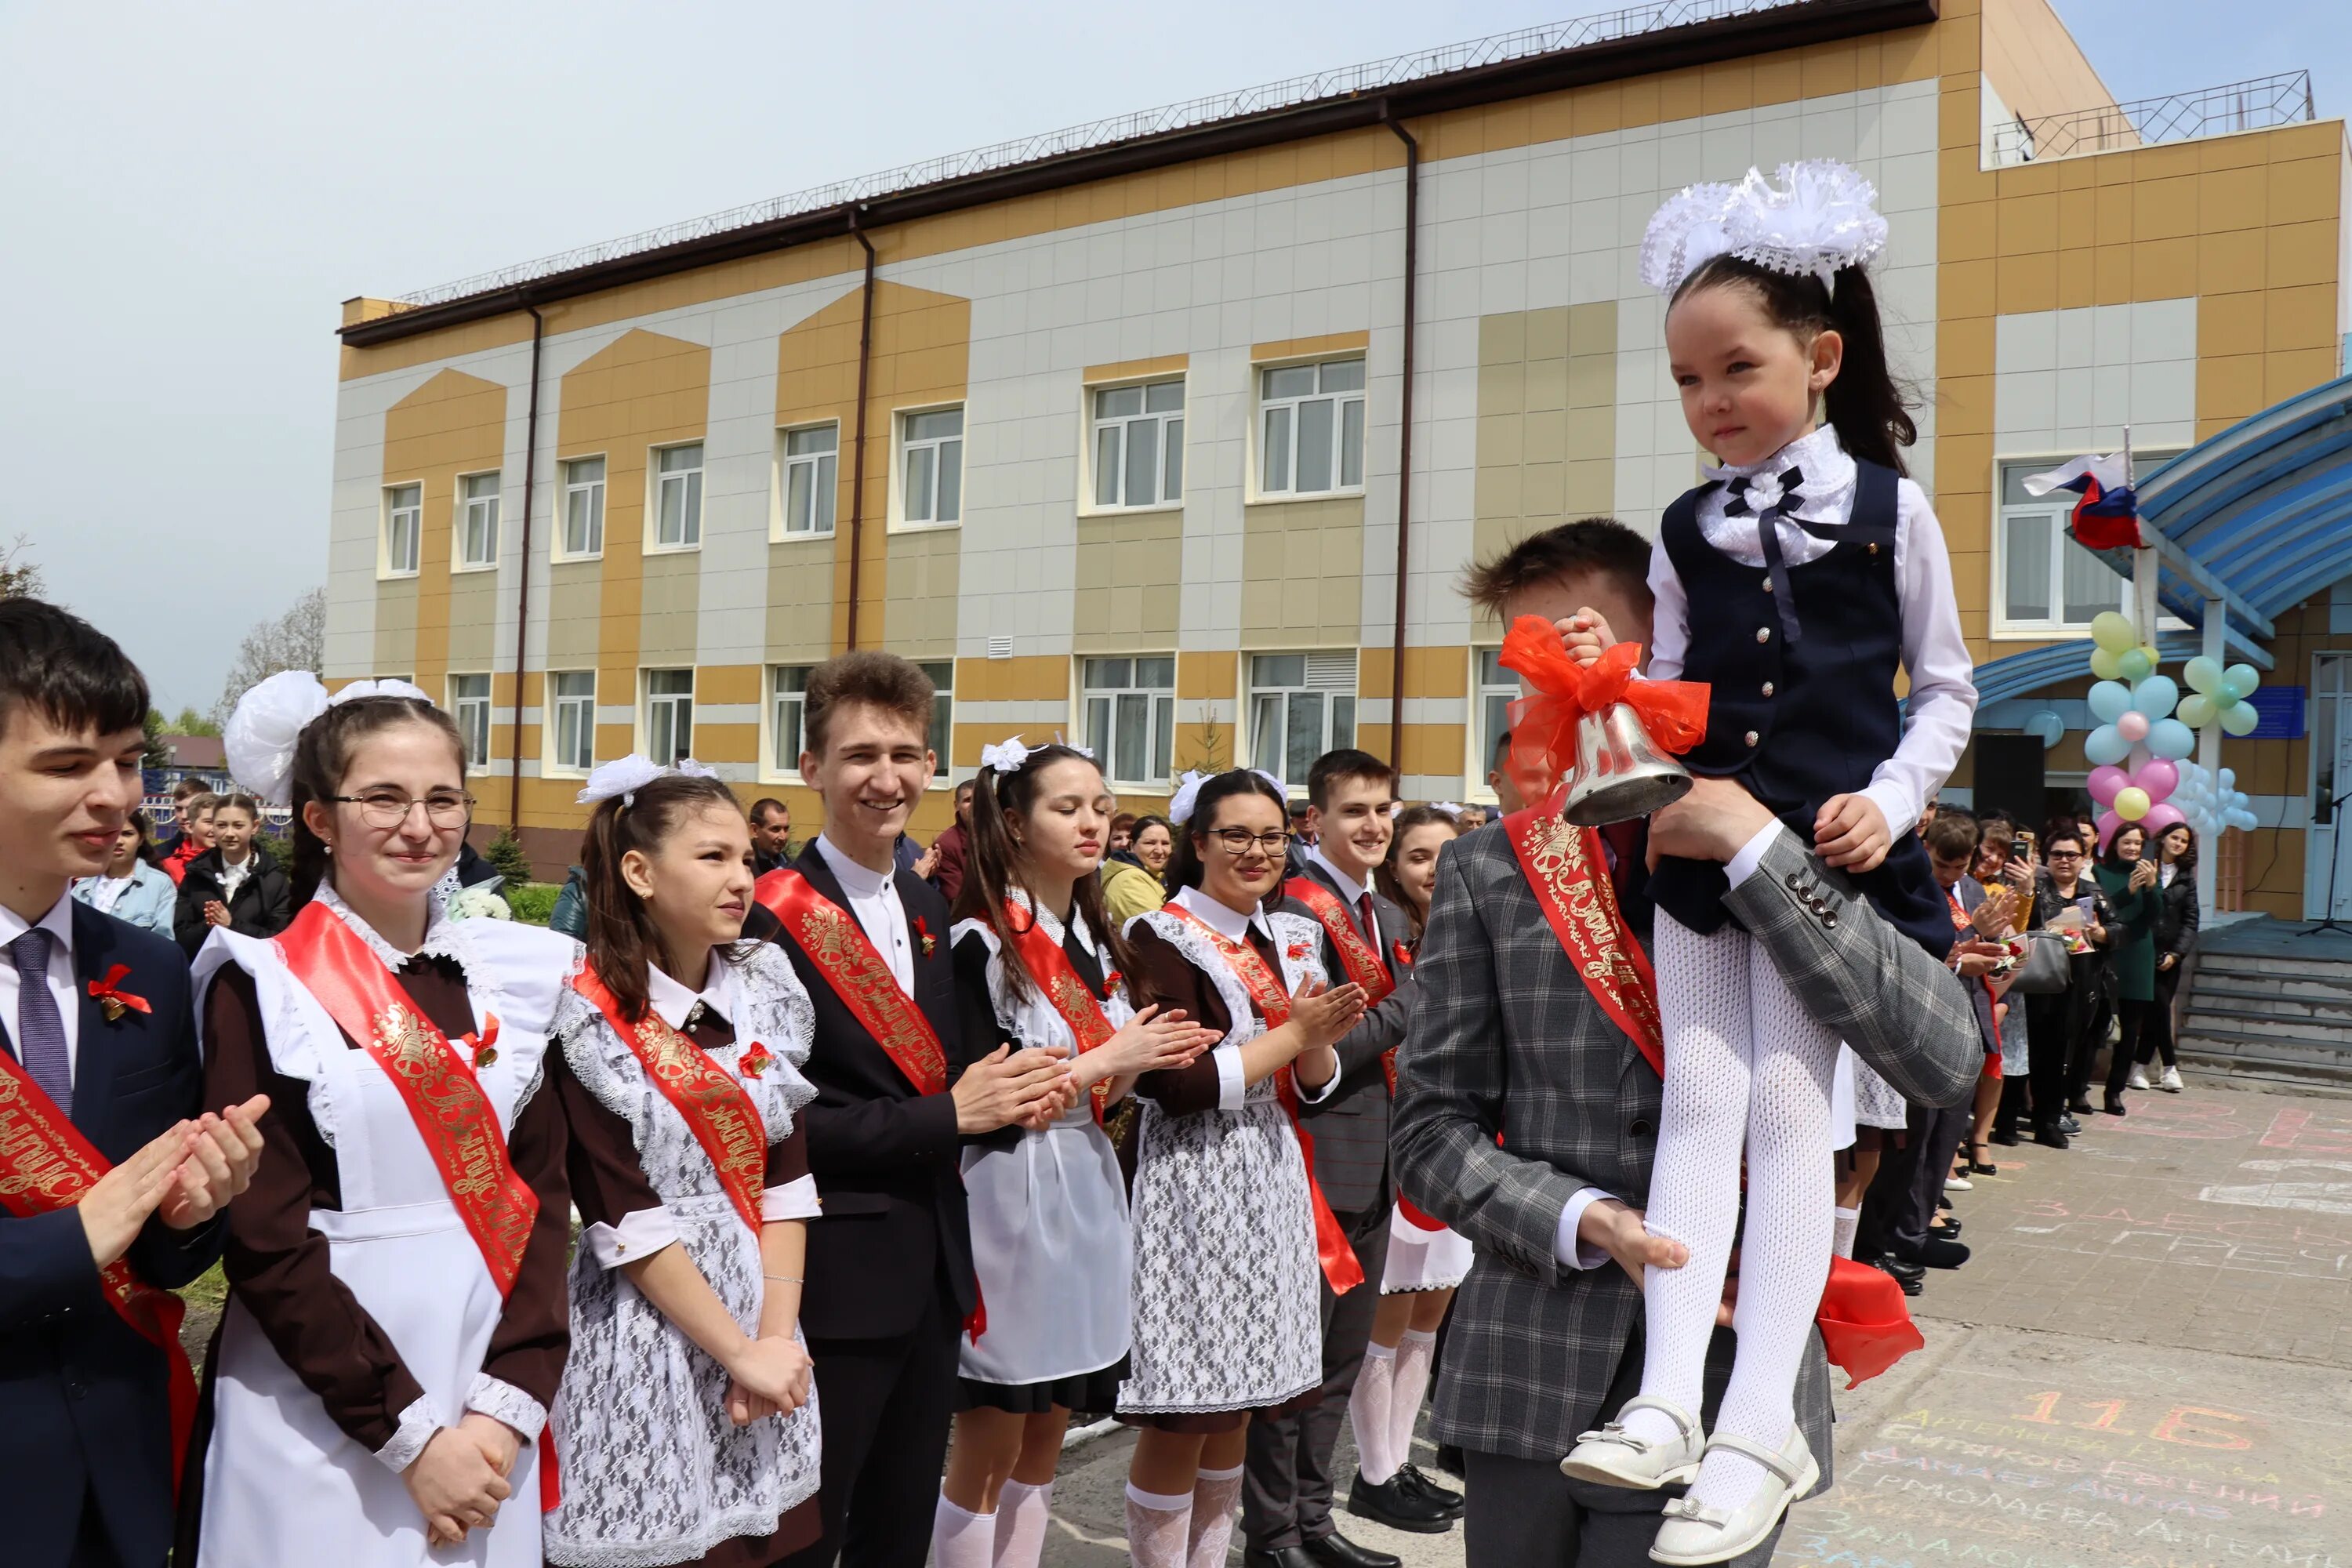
x: 647, y: 700
x: 1094, y: 423
x: 1159, y: 737
x: 388, y: 562
x: 2055, y: 507
x: 559, y: 547
x: 657, y: 482
x: 459, y: 702
x: 902, y: 448
x: 1261, y: 441
x: 942, y: 738
x: 552, y: 725
x: 772, y: 723
x: 463, y: 508
x: 1328, y: 739
x: 781, y: 530
x: 1482, y: 741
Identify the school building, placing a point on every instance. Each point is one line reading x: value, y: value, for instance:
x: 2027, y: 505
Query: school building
x: 1173, y: 434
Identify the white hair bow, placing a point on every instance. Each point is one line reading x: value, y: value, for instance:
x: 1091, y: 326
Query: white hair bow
x: 1007, y: 758
x: 631, y: 773
x: 1448, y: 807
x: 259, y: 739
x: 1822, y: 217
x: 1188, y: 792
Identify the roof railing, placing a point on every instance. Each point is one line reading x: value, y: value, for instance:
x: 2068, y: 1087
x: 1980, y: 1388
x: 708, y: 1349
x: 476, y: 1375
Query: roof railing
x: 2260, y: 104
x: 1347, y: 81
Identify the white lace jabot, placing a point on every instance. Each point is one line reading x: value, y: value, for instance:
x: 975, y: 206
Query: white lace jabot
x: 440, y: 930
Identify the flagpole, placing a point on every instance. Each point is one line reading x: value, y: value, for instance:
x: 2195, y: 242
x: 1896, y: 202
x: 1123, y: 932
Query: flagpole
x: 2144, y: 562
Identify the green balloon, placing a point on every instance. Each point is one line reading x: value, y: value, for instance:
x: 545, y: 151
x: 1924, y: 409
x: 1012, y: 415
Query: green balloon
x: 2202, y: 674
x: 2134, y: 665
x: 2197, y: 710
x: 2107, y: 664
x: 2239, y: 681
x: 2240, y: 719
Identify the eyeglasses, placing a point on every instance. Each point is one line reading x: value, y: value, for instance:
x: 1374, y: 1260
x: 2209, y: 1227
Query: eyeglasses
x: 390, y: 807
x: 1237, y: 841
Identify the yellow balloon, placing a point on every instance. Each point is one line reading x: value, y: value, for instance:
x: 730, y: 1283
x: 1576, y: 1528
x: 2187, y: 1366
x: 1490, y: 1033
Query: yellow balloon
x: 2132, y: 803
x: 2107, y: 664
x: 2112, y: 631
x: 2153, y: 658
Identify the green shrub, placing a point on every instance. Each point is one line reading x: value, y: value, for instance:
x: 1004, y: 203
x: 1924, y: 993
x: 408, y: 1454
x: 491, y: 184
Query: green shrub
x: 531, y: 902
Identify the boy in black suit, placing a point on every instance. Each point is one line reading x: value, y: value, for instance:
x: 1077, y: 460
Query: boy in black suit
x: 111, y: 1182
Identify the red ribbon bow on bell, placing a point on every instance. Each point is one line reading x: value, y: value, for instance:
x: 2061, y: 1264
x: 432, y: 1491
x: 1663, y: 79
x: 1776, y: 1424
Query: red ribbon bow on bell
x: 757, y: 1061
x: 113, y: 1001
x: 483, y: 1048
x: 1543, y: 726
x: 930, y: 942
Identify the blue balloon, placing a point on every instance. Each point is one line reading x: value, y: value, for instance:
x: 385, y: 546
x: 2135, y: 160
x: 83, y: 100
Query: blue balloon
x: 2106, y: 746
x: 2110, y: 700
x: 2156, y: 697
x: 2171, y: 738
x: 2045, y: 726
x: 2227, y: 781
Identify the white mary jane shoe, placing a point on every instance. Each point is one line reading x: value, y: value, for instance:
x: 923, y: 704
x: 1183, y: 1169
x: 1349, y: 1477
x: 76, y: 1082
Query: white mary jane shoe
x: 1694, y: 1534
x: 1613, y: 1456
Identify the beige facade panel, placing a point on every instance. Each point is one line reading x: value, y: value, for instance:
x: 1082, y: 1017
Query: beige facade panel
x: 1306, y: 567
x: 1129, y: 572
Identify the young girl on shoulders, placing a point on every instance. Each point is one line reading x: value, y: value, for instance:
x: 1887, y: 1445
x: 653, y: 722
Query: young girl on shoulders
x: 1798, y: 582
x: 687, y: 1425
x: 1038, y: 965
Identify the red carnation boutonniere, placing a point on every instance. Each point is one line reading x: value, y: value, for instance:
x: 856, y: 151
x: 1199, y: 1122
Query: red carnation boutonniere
x: 483, y: 1048
x: 930, y: 942
x: 1295, y: 953
x: 757, y: 1061
x: 1404, y: 954
x: 113, y: 1001
x: 1112, y: 981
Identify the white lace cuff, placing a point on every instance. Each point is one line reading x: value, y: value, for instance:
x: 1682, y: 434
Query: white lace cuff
x: 638, y: 1236
x: 505, y: 1402
x: 417, y: 1425
x: 1232, y: 1089
x: 795, y: 1199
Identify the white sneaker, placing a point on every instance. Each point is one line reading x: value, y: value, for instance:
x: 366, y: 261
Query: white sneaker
x: 1613, y: 1456
x: 1695, y: 1534
x: 2171, y: 1080
x: 2138, y: 1079
x: 1959, y: 1183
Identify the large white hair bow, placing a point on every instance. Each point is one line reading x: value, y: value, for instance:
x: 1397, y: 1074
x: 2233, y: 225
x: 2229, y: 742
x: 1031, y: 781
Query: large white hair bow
x: 1819, y: 219
x: 1007, y: 758
x: 259, y: 738
x: 1188, y: 792
x: 1452, y: 811
x: 631, y: 773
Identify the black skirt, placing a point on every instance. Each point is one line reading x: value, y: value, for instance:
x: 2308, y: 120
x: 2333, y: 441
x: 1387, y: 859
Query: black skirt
x: 1082, y: 1392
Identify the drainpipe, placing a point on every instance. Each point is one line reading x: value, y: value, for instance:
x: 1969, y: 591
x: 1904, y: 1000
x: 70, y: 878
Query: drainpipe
x: 857, y: 449
x: 522, y: 594
x: 1404, y: 437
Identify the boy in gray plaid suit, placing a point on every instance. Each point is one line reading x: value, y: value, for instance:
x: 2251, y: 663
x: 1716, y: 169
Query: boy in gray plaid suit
x: 1504, y: 1037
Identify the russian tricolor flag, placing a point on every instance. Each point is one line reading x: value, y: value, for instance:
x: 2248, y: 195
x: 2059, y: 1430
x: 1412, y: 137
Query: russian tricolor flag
x: 2107, y: 515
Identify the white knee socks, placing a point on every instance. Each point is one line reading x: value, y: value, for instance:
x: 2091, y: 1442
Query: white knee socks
x: 1021, y: 1514
x: 1214, y: 1493
x: 1158, y: 1526
x: 1849, y: 1223
x: 961, y: 1539
x: 1369, y: 1405
x: 1413, y: 1357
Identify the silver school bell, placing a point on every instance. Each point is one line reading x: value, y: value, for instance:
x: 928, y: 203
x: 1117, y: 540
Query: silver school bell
x: 1619, y: 774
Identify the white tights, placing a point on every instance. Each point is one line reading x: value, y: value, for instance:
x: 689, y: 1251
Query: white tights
x: 1745, y: 1062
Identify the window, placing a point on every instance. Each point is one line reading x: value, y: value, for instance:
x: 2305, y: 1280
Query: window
x: 469, y: 701
x: 2047, y: 583
x: 669, y: 715
x: 677, y: 497
x: 1301, y: 706
x: 810, y: 483
x: 933, y: 488
x: 788, y: 707
x: 477, y: 520
x: 1311, y: 427
x: 403, y: 524
x: 942, y: 735
x: 1138, y: 445
x: 1130, y: 709
x: 1498, y: 689
x: 575, y: 720
x: 584, y: 507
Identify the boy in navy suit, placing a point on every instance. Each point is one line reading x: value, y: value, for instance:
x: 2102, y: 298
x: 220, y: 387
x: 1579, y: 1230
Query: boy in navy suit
x: 111, y: 1179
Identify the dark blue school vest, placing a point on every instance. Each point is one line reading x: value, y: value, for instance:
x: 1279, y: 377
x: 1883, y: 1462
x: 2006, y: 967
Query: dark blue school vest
x: 1802, y: 702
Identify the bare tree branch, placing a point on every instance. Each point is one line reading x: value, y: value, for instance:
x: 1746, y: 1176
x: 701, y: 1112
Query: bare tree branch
x: 295, y: 640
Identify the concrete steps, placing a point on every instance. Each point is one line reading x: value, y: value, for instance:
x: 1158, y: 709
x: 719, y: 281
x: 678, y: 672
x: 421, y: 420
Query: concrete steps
x: 2275, y: 1009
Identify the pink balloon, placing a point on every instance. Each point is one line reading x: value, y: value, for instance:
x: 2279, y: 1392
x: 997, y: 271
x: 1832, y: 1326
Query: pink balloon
x: 2159, y: 818
x: 2156, y: 776
x: 2132, y: 726
x: 2104, y: 782
x: 2107, y: 824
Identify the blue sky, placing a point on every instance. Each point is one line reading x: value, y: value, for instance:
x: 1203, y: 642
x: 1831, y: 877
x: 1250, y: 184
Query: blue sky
x: 190, y: 191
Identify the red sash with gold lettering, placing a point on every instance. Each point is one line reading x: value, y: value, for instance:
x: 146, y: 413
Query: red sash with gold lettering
x: 717, y: 1111
x: 45, y: 1165
x: 1049, y: 968
x: 836, y: 944
x: 1340, y: 1268
x: 455, y: 1118
x: 1358, y: 957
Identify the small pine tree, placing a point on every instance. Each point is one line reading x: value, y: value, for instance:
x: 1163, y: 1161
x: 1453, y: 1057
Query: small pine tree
x: 506, y: 853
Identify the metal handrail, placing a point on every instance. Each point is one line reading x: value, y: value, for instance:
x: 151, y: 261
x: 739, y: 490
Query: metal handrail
x: 2260, y: 104
x: 1346, y: 81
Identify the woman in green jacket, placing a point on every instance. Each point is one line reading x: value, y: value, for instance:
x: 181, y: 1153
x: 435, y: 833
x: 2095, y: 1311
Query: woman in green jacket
x: 2130, y: 884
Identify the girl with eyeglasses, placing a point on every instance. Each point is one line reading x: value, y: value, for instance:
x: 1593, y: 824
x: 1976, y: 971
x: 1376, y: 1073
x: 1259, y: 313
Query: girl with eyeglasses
x: 396, y: 1323
x: 1229, y: 1229
x: 2065, y: 900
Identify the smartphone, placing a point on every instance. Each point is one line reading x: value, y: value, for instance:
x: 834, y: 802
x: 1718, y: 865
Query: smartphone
x: 2024, y: 844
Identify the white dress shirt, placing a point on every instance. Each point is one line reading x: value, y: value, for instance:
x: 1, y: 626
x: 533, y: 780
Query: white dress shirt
x: 1943, y: 699
x: 874, y: 898
x: 1231, y: 1087
x: 58, y: 923
x: 232, y: 877
x: 645, y: 1232
x: 1353, y: 893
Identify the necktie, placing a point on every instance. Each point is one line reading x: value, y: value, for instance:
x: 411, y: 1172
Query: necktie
x: 1770, y: 500
x: 40, y: 1031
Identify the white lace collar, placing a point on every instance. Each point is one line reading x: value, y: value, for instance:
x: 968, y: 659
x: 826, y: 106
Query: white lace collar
x: 1821, y: 456
x: 671, y: 999
x: 441, y: 940
x: 1233, y: 927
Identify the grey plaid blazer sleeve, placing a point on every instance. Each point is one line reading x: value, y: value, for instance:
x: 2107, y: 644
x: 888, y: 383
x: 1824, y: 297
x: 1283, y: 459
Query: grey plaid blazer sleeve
x: 1903, y: 1012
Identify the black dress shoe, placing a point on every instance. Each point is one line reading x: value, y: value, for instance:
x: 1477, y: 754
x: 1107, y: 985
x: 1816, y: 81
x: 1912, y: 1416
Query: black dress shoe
x: 1395, y: 1504
x: 1950, y: 1229
x: 1912, y: 1277
x: 1937, y: 1253
x: 2115, y: 1106
x: 1336, y: 1550
x: 1416, y: 1480
x: 1450, y: 1460
x: 2006, y: 1137
x: 2079, y: 1105
x: 1281, y: 1557
x: 2049, y: 1137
